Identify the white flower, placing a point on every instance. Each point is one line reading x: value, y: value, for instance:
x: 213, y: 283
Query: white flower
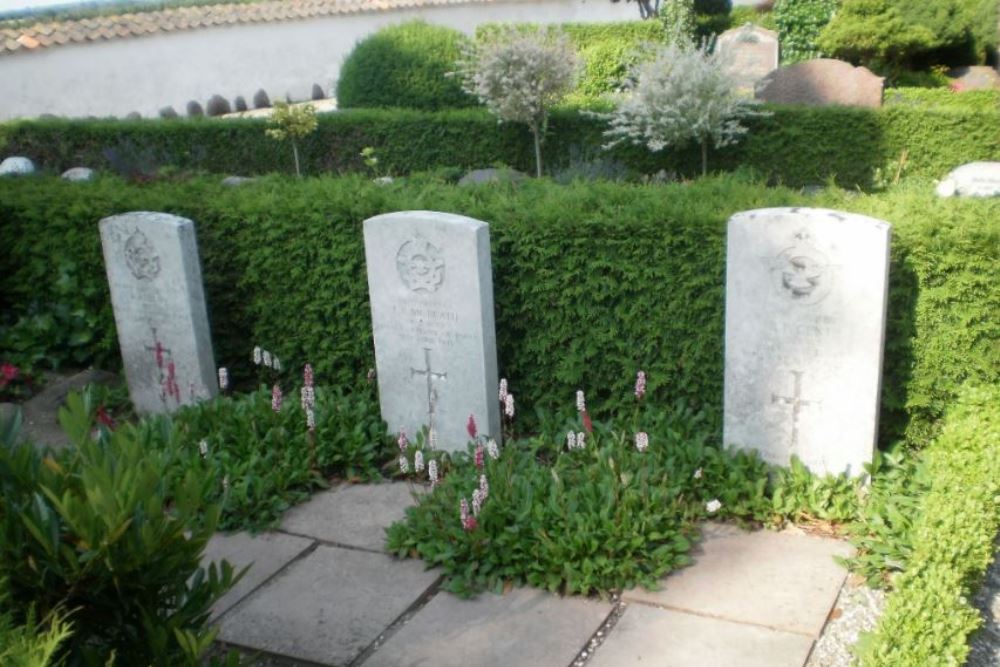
x: 493, y: 449
x: 503, y: 389
x: 308, y: 397
x: 223, y: 378
x: 581, y: 403
x: 418, y: 461
x: 484, y: 486
x: 267, y: 358
x: 713, y: 506
x: 276, y: 363
x: 641, y: 441
x: 571, y: 441
x: 581, y: 440
x: 257, y: 354
x: 508, y: 406
x: 477, y: 502
x: 697, y: 473
x: 203, y: 447
x: 404, y: 465
x: 432, y: 472
x: 310, y: 419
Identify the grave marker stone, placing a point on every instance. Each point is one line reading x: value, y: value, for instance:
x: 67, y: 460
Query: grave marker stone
x: 159, y: 303
x: 975, y: 179
x: 752, y: 53
x: 822, y: 82
x: 805, y: 324
x: 431, y: 288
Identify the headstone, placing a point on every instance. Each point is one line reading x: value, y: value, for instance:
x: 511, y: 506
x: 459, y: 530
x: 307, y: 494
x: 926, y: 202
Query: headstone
x: 974, y: 77
x: 822, y: 82
x: 78, y: 174
x: 975, y: 179
x: 431, y: 288
x: 17, y: 166
x: 805, y: 323
x: 159, y: 303
x: 236, y: 181
x: 752, y: 53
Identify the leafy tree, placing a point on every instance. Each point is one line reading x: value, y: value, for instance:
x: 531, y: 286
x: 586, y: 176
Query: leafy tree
x: 799, y: 24
x: 678, y: 20
x: 292, y: 123
x: 684, y: 94
x: 519, y: 75
x: 874, y: 33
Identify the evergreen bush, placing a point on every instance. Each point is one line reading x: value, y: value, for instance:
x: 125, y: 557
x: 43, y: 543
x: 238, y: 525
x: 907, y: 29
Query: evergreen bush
x: 406, y: 66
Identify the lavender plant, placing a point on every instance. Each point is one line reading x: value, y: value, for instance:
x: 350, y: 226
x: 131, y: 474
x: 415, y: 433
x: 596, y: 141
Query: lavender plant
x: 683, y: 94
x: 519, y: 76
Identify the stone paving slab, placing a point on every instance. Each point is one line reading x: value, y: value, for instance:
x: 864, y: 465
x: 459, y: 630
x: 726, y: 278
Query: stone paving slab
x: 353, y: 515
x: 265, y: 554
x: 782, y: 580
x: 524, y: 627
x: 328, y: 606
x: 647, y: 635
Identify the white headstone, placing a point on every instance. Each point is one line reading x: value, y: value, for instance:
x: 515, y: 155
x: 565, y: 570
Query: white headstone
x: 78, y: 174
x: 975, y: 179
x: 17, y: 166
x: 805, y: 323
x: 431, y: 288
x: 752, y: 53
x: 159, y: 303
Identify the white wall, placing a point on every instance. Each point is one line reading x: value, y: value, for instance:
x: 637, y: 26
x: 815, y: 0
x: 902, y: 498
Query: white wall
x: 145, y: 74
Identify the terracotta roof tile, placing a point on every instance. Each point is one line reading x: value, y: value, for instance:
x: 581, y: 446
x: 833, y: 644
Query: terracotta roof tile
x: 53, y: 34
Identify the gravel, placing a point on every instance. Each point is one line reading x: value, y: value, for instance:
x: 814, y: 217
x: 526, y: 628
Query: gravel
x: 857, y: 609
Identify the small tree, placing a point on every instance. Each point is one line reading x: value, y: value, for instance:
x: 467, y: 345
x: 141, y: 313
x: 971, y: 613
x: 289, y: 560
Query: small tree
x: 519, y: 76
x: 678, y: 20
x: 292, y: 123
x: 683, y: 94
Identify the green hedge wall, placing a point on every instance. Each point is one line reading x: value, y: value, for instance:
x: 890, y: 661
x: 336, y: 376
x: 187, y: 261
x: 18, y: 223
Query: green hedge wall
x: 592, y: 280
x: 794, y: 146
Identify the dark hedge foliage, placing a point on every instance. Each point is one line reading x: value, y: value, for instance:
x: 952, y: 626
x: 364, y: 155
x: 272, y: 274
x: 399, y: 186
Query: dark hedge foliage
x: 404, y: 66
x: 592, y: 280
x: 794, y: 146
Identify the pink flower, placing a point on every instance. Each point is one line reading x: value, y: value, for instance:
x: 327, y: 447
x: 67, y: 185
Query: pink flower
x: 471, y: 427
x: 307, y: 375
x: 641, y: 441
x: 484, y: 486
x: 8, y: 373
x: 276, y: 398
x: 470, y: 524
x: 104, y: 418
x: 640, y: 385
x: 587, y: 424
x: 402, y: 440
x: 508, y: 406
x: 480, y: 456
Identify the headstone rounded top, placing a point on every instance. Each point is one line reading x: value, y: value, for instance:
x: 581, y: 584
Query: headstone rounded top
x: 17, y: 166
x: 139, y: 218
x: 424, y: 217
x: 822, y: 82
x: 234, y: 181
x: 78, y: 174
x: 480, y: 176
x: 974, y: 179
x: 765, y: 215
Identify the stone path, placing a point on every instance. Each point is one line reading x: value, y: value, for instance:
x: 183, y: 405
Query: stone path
x: 322, y: 592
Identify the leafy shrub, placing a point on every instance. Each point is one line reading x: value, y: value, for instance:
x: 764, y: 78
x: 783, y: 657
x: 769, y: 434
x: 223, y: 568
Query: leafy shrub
x: 33, y: 644
x: 928, y: 618
x: 799, y: 23
x: 943, y: 99
x: 106, y: 530
x: 745, y: 14
x: 404, y: 66
x: 876, y: 34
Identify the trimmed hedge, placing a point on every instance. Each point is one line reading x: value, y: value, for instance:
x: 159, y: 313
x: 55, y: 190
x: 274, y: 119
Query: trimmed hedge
x: 592, y: 280
x: 794, y: 146
x: 928, y: 618
x: 404, y: 65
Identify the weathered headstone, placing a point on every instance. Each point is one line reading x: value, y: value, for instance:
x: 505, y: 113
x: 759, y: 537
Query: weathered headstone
x: 159, y: 303
x: 431, y: 289
x: 974, y: 77
x: 17, y: 166
x: 78, y: 174
x: 822, y: 82
x: 805, y: 322
x: 751, y: 51
x: 975, y: 179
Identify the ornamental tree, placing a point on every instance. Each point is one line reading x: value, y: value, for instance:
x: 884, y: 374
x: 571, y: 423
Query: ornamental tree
x: 292, y: 123
x: 683, y: 94
x: 519, y: 75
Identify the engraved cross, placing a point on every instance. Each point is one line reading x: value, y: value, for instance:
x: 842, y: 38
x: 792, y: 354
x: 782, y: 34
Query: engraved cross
x: 797, y: 403
x: 431, y: 376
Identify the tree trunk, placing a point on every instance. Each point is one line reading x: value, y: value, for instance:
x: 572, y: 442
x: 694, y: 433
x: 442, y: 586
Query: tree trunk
x: 295, y: 152
x: 536, y: 133
x: 704, y: 156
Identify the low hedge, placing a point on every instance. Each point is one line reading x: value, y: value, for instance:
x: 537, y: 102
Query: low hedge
x: 592, y: 280
x: 928, y: 618
x: 794, y: 146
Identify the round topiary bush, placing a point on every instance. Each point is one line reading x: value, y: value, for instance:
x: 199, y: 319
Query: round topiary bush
x: 404, y: 66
